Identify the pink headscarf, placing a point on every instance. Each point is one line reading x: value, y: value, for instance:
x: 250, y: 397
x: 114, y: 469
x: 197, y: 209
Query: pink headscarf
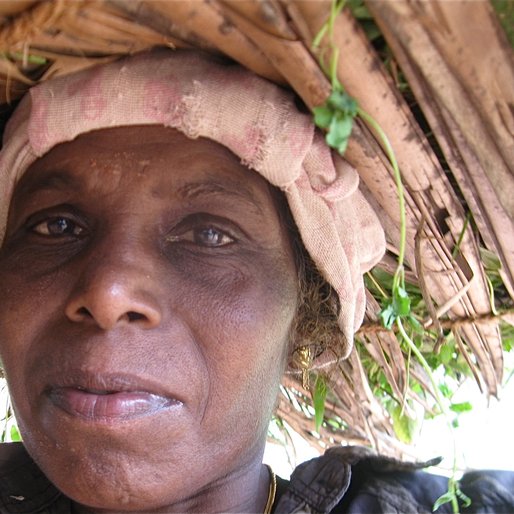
x: 254, y: 118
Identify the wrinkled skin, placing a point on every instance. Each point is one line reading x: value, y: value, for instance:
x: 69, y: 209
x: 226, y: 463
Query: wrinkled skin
x: 148, y: 289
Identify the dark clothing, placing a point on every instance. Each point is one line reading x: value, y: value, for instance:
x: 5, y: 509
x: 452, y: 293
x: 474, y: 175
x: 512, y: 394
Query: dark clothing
x: 352, y: 480
x: 344, y: 480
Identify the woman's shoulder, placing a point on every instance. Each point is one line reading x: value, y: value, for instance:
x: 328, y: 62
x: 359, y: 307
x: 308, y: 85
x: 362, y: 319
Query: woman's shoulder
x: 353, y: 480
x: 23, y: 486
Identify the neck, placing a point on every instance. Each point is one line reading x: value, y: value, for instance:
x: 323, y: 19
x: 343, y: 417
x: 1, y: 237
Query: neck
x: 244, y: 490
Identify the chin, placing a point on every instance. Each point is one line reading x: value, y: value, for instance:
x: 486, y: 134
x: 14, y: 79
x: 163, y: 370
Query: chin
x: 113, y: 485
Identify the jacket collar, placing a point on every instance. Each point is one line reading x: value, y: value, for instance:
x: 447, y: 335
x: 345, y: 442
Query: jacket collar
x: 24, y: 488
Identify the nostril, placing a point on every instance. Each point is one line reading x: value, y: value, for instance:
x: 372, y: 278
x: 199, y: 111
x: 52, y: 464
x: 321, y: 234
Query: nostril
x: 135, y: 316
x: 84, y: 312
x: 110, y: 310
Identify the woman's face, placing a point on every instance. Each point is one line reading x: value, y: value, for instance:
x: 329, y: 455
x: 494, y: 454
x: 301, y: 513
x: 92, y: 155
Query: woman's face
x: 148, y: 288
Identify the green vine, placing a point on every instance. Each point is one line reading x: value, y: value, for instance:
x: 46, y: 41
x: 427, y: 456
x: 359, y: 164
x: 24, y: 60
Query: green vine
x: 336, y: 117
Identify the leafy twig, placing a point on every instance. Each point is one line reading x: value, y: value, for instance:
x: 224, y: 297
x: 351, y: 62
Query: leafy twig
x: 336, y: 116
x: 454, y: 493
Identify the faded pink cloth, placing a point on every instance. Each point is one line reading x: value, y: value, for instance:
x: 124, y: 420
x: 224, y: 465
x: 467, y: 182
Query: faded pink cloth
x: 254, y: 118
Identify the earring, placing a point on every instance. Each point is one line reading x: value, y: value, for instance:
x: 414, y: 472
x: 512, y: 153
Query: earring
x: 304, y: 361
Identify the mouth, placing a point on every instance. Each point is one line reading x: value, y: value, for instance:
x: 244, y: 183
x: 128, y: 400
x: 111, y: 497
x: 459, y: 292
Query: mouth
x: 109, y: 399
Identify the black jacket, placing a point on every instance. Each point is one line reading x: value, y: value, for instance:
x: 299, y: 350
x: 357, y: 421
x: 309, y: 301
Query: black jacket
x: 352, y: 480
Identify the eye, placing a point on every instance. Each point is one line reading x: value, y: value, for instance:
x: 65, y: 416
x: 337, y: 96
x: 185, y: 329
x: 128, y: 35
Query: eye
x: 210, y: 237
x: 58, y: 226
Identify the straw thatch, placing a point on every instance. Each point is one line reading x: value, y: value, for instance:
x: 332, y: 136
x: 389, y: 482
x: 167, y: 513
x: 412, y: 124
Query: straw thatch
x: 461, y: 75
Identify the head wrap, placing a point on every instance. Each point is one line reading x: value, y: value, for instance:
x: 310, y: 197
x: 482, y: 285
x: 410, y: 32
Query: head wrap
x: 255, y: 119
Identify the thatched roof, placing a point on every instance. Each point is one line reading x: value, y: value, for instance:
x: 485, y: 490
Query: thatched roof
x: 454, y: 147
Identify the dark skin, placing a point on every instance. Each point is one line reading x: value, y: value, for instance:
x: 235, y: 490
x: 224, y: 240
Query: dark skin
x: 147, y: 299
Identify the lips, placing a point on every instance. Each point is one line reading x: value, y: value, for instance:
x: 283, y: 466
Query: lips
x: 109, y: 398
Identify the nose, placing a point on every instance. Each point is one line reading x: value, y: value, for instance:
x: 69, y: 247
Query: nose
x: 111, y: 292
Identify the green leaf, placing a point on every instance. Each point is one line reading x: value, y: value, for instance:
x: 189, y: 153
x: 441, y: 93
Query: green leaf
x: 319, y: 396
x: 388, y: 315
x: 447, y: 392
x: 386, y: 280
x: 342, y: 102
x: 416, y: 325
x: 339, y: 132
x: 461, y: 407
x: 401, y: 302
x: 359, y: 10
x: 15, y: 434
x: 445, y: 498
x: 446, y: 353
x: 20, y: 56
x: 417, y: 388
x: 490, y: 260
x: 334, y: 424
x: 322, y: 116
x: 404, y: 427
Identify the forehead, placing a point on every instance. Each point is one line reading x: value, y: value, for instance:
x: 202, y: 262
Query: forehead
x: 154, y: 156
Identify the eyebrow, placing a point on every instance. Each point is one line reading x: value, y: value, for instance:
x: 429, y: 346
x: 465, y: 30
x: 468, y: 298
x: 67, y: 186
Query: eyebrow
x: 56, y: 180
x: 60, y: 180
x: 233, y: 189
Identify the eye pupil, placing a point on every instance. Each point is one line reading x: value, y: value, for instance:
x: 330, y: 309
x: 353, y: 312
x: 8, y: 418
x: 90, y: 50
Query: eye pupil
x: 59, y: 226
x: 209, y: 236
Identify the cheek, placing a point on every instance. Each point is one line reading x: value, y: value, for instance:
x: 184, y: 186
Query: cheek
x: 245, y: 334
x: 246, y: 307
x: 25, y: 307
x: 25, y: 311
x: 251, y: 292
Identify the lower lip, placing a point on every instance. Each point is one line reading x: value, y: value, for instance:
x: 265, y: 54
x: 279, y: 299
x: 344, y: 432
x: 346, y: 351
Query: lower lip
x: 116, y: 406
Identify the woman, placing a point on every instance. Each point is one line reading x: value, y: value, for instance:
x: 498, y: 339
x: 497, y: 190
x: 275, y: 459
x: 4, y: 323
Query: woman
x: 155, y: 288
